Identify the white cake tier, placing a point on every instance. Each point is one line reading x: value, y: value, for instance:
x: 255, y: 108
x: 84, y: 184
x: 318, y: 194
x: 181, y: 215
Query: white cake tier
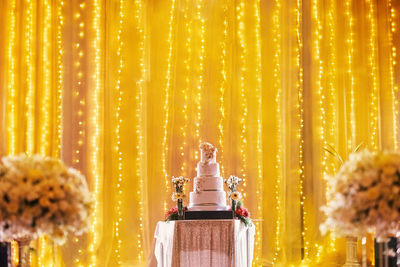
x: 210, y: 169
x: 208, y: 184
x: 207, y: 199
x: 207, y: 207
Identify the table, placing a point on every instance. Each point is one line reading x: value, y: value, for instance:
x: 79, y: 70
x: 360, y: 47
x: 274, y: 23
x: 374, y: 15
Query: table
x: 200, y: 243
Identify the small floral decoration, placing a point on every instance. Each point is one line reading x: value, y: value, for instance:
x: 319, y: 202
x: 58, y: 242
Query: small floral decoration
x: 235, y: 195
x: 176, y: 196
x: 172, y: 214
x: 41, y: 196
x: 179, y: 183
x: 232, y: 182
x: 209, y: 151
x: 243, y: 214
x: 364, y: 196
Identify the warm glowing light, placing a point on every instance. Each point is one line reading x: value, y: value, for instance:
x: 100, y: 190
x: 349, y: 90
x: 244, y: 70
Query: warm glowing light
x: 351, y: 142
x: 317, y: 36
x: 300, y: 129
x: 45, y: 101
x: 243, y: 93
x: 200, y: 82
x: 11, y: 82
x: 277, y: 87
x: 14, y: 253
x: 119, y: 155
x: 167, y: 90
x: 30, y: 95
x: 393, y: 85
x: 78, y: 97
x: 332, y: 84
x: 259, y: 182
x: 94, y: 151
x: 373, y: 74
x: 59, y: 79
x: 140, y: 111
x: 188, y: 61
x: 222, y: 90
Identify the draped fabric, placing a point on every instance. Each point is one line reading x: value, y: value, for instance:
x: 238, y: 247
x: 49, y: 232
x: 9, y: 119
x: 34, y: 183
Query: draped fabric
x: 125, y: 91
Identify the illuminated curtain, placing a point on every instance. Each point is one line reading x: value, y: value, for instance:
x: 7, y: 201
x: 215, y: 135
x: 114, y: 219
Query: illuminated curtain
x: 126, y: 90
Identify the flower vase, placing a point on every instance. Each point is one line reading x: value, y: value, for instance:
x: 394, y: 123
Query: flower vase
x: 180, y: 209
x: 385, y: 254
x: 24, y: 259
x: 351, y: 252
x: 233, y: 206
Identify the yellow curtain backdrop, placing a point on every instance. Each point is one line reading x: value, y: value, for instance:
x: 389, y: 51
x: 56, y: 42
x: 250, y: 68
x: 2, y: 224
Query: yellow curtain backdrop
x: 126, y: 90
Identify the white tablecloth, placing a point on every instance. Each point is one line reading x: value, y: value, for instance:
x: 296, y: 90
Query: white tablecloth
x: 204, y: 243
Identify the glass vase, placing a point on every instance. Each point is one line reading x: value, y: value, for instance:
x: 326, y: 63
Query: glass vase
x: 180, y: 209
x: 385, y: 254
x: 24, y: 250
x: 351, y: 252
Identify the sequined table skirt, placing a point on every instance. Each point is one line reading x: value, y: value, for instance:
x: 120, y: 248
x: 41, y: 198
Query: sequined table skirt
x: 200, y: 243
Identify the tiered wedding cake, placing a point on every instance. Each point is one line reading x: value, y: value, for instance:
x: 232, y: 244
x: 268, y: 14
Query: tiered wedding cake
x: 208, y: 193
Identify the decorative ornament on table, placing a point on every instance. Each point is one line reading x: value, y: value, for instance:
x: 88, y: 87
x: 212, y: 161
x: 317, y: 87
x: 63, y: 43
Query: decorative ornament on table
x: 232, y: 182
x: 364, y: 196
x: 243, y: 214
x: 178, y: 195
x: 41, y: 196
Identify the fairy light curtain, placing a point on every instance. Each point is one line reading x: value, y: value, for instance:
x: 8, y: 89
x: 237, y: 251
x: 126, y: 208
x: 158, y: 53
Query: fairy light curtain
x: 126, y: 90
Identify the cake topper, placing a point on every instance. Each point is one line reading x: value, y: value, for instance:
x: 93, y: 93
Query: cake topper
x: 208, y: 153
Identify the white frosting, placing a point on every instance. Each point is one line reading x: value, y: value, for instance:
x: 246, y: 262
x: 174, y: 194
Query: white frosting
x: 211, y: 169
x: 208, y: 187
x: 207, y: 200
x: 208, y: 184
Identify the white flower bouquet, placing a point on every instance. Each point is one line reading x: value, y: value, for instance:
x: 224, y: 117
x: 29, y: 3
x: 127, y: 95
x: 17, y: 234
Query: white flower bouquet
x: 179, y: 183
x: 41, y: 196
x: 364, y: 196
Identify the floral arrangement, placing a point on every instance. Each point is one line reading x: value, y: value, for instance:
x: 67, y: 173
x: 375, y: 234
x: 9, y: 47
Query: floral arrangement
x: 232, y: 182
x: 178, y: 195
x: 364, y: 196
x: 172, y: 214
x: 179, y: 183
x: 243, y: 214
x: 41, y: 196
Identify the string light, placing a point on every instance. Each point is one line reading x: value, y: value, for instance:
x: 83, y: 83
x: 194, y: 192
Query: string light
x: 392, y: 65
x: 222, y: 89
x: 317, y: 36
x: 350, y: 56
x: 185, y: 90
x: 139, y: 125
x: 168, y: 78
x: 59, y: 79
x: 118, y: 119
x: 277, y: 86
x: 373, y: 73
x: 259, y: 187
x: 331, y: 104
x: 77, y: 95
x: 300, y: 129
x: 95, y: 136
x: 45, y: 101
x: 14, y: 252
x: 11, y: 82
x: 30, y: 95
x: 243, y: 93
x: 201, y: 73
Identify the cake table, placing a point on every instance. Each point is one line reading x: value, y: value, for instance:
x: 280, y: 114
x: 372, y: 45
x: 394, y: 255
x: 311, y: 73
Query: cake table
x: 203, y: 243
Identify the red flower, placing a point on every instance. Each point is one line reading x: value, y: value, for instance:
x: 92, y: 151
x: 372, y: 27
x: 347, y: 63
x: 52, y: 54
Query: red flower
x: 242, y: 212
x: 172, y: 210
